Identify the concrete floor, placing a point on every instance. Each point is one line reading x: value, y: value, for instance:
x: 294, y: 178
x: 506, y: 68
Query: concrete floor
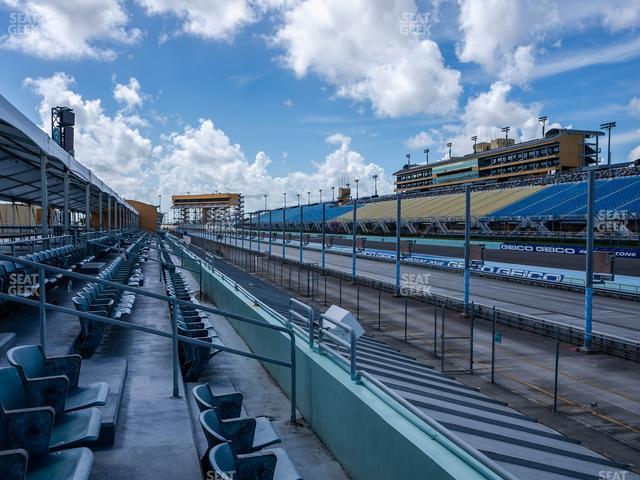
x: 524, y: 366
x: 263, y: 397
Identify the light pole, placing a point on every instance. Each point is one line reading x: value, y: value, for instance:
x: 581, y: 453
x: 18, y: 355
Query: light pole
x: 543, y: 121
x: 375, y: 185
x: 308, y: 198
x: 265, y: 201
x: 426, y: 154
x: 320, y: 195
x: 449, y: 146
x: 357, y: 180
x: 505, y: 130
x: 608, y: 126
x: 333, y: 194
x: 298, y: 195
x: 408, y: 155
x: 284, y: 223
x: 474, y: 139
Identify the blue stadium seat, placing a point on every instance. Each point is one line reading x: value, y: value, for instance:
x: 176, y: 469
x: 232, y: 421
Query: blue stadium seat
x: 271, y: 464
x: 229, y: 405
x: 73, y: 464
x: 36, y: 368
x: 246, y: 435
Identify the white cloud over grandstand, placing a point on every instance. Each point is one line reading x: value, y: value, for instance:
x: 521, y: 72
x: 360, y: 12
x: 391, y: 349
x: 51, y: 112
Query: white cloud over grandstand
x: 203, y: 159
x: 72, y: 29
x: 509, y: 37
x: 360, y: 48
x: 129, y: 94
x: 111, y: 146
x: 196, y: 159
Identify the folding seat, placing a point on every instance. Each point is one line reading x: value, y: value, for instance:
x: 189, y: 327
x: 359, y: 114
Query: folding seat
x: 91, y: 332
x: 42, y: 372
x: 74, y: 464
x: 229, y: 405
x: 271, y: 464
x: 247, y: 435
x: 25, y: 418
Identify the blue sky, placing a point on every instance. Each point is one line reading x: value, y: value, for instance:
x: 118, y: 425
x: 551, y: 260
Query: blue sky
x: 267, y: 96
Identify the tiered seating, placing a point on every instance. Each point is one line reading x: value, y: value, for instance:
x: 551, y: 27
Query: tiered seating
x: 236, y: 442
x: 311, y: 213
x: 102, y: 300
x: 39, y: 438
x: 563, y: 199
x: 190, y: 321
x: 68, y: 257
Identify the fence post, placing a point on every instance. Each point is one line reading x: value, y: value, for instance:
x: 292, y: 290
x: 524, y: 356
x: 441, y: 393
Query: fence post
x: 555, y: 380
x: 325, y: 288
x: 493, y: 344
x: 444, y: 311
x: 406, y: 301
x: 379, y: 300
x: 43, y: 311
x: 471, y: 339
x: 340, y: 296
x: 174, y: 342
x: 435, y: 330
x: 358, y: 300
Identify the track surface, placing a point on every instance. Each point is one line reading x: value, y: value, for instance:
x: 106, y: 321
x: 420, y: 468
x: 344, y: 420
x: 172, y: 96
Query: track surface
x: 610, y: 315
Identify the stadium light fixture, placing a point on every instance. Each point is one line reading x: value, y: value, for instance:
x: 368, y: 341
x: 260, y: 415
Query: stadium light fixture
x: 449, y: 145
x: 408, y: 155
x: 375, y: 185
x: 505, y: 130
x: 298, y: 195
x: 320, y: 195
x: 357, y: 180
x: 265, y: 201
x: 608, y: 126
x: 426, y: 152
x: 333, y: 194
x: 474, y: 139
x: 543, y: 121
x: 308, y: 198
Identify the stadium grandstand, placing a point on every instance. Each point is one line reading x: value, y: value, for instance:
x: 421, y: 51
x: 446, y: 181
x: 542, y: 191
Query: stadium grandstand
x: 545, y: 206
x: 130, y: 352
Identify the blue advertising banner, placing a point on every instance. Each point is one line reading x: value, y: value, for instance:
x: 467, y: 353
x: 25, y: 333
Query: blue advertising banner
x: 567, y: 249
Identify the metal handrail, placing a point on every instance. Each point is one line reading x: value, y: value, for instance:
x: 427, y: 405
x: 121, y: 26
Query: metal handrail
x: 310, y: 319
x: 43, y: 306
x: 352, y: 345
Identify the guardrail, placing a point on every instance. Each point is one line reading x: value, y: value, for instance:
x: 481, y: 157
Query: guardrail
x: 603, y: 342
x: 44, y: 307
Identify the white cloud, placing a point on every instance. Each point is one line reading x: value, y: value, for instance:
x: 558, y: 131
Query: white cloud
x: 110, y: 146
x: 129, y: 95
x: 359, y: 48
x: 203, y: 159
x: 634, y: 106
x: 419, y: 141
x: 505, y: 36
x: 211, y: 20
x: 72, y: 29
x: 288, y: 103
x: 634, y: 154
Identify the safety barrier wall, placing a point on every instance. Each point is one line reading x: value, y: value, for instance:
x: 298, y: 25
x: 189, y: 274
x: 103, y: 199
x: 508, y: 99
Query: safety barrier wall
x: 369, y: 437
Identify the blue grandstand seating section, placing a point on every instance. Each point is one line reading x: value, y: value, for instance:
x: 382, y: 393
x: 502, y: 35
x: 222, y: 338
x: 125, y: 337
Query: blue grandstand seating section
x: 311, y: 213
x: 566, y: 199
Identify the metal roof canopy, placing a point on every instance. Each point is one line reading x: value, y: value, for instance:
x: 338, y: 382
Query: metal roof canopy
x: 21, y: 144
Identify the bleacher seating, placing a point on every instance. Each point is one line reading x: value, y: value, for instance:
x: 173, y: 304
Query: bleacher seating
x: 104, y: 301
x: 229, y: 405
x: 39, y: 438
x: 271, y: 464
x: 63, y: 373
x: 311, y: 213
x: 190, y: 321
x: 247, y: 435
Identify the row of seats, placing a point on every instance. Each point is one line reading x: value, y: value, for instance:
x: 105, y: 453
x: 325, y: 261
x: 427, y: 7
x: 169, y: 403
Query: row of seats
x: 68, y: 257
x: 191, y: 322
x: 237, y: 443
x: 563, y: 199
x: 310, y: 213
x: 46, y: 418
x: 99, y: 299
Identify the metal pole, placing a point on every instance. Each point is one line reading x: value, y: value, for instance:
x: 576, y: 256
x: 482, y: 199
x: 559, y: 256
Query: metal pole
x: 109, y: 213
x: 174, y: 347
x: 354, y: 229
x: 270, y: 233
x: 398, y: 253
x: 471, y: 339
x: 42, y: 309
x: 100, y: 211
x: 324, y: 220
x: 284, y: 223
x: 493, y: 344
x: 87, y: 207
x: 435, y: 330
x: 250, y: 240
x: 406, y: 304
x: 555, y: 380
x: 467, y: 248
x: 301, y: 230
x: 44, y: 195
x: 588, y: 292
x: 65, y: 209
x: 379, y: 302
x: 444, y: 312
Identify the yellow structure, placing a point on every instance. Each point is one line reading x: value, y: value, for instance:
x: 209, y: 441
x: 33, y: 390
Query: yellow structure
x: 560, y: 151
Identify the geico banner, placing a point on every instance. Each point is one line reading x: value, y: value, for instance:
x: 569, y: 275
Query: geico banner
x: 567, y: 250
x: 459, y: 265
